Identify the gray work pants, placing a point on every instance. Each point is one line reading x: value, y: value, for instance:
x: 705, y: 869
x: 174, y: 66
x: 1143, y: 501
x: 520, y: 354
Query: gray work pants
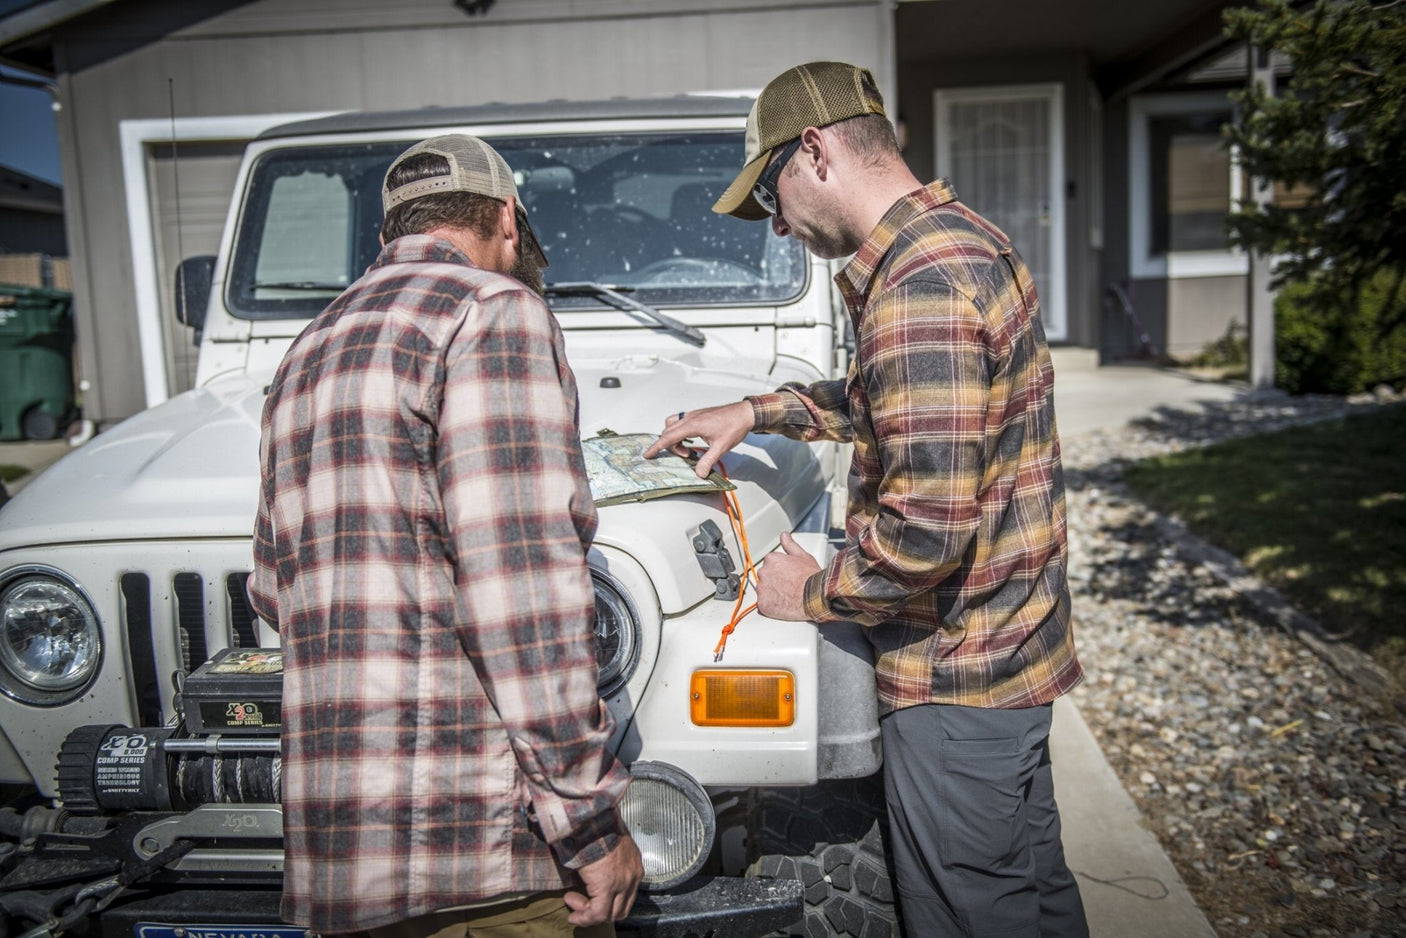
x: 974, y: 825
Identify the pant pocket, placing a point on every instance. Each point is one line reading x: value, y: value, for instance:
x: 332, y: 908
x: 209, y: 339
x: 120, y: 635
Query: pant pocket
x: 984, y: 809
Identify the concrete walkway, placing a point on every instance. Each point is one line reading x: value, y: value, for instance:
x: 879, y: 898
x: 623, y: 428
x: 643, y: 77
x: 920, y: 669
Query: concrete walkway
x: 1129, y: 885
x: 1090, y: 397
x: 34, y: 455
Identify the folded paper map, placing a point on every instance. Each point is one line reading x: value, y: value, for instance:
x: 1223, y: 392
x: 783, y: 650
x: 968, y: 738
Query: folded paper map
x: 619, y: 472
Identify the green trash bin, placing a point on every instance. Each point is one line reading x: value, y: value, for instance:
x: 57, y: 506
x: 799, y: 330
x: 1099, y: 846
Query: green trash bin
x: 36, y: 362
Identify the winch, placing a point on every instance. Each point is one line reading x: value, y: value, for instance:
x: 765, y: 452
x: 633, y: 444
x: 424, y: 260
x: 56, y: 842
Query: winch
x: 225, y: 749
x: 194, y: 803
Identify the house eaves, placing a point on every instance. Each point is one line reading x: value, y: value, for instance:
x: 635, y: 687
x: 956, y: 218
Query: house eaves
x: 19, y: 190
x: 39, y: 17
x: 1128, y: 46
x: 27, y: 27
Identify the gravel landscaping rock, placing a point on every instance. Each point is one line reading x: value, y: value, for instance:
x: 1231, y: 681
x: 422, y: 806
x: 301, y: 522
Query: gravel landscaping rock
x: 1275, y: 784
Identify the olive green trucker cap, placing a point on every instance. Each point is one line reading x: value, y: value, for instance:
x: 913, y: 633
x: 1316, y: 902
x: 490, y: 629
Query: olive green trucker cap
x: 812, y: 95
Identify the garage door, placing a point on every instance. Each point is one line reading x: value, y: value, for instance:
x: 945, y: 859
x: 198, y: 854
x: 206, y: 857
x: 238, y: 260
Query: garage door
x: 190, y: 183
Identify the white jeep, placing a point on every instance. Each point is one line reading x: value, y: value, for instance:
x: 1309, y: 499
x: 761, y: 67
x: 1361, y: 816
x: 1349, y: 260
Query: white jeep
x: 756, y: 802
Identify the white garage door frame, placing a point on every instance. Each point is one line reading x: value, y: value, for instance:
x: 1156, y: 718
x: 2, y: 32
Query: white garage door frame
x: 136, y: 137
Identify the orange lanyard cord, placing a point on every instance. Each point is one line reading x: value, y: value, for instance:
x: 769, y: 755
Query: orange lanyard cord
x: 749, y: 570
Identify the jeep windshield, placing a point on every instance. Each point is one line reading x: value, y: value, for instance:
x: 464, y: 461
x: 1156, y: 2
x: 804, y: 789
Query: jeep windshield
x: 630, y: 212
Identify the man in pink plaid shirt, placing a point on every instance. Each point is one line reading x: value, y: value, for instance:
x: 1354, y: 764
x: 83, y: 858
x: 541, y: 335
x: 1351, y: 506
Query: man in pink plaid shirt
x: 421, y: 546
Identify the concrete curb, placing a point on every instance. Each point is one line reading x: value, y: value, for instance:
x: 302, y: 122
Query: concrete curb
x: 1348, y: 661
x: 1127, y: 881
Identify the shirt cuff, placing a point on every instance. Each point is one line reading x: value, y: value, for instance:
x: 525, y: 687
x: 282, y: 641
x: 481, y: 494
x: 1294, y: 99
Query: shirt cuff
x: 591, y: 841
x: 579, y: 815
x: 768, y: 411
x: 817, y: 610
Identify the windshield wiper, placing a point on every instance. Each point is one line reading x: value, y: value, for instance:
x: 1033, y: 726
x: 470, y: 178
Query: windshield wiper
x: 616, y: 298
x: 301, y: 285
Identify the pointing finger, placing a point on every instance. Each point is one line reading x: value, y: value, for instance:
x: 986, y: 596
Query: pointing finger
x: 669, y: 439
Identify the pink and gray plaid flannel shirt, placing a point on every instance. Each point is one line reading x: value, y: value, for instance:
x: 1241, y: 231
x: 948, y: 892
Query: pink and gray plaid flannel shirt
x: 421, y: 546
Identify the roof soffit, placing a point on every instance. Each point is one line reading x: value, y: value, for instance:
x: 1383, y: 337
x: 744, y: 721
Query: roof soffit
x: 1126, y: 44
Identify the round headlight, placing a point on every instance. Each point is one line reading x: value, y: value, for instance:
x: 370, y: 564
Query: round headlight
x: 671, y: 821
x: 50, y: 641
x: 617, y: 635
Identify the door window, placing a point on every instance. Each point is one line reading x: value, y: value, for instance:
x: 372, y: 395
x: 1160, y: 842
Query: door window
x: 1001, y: 148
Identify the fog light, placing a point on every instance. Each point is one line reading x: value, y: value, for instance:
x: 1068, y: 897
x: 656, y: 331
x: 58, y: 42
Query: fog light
x: 742, y: 698
x: 671, y: 821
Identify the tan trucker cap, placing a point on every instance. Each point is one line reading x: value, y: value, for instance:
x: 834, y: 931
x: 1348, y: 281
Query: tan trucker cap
x: 474, y: 167
x: 812, y: 95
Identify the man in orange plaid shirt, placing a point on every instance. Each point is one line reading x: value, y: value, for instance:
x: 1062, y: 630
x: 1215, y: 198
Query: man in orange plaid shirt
x: 955, y: 551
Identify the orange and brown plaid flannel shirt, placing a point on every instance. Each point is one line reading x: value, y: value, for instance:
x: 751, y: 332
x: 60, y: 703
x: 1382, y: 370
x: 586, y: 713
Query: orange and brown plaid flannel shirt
x: 955, y: 554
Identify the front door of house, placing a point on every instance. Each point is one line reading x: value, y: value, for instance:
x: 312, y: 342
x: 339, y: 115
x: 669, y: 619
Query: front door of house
x: 1002, y: 148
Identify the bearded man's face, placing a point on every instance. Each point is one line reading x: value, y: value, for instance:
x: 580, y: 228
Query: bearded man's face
x: 526, y: 269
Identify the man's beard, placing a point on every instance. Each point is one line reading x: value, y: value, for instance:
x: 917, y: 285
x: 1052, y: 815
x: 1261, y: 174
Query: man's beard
x: 527, y: 271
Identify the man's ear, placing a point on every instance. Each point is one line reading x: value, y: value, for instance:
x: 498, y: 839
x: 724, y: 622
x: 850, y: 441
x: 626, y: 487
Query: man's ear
x: 815, y: 151
x: 507, y: 222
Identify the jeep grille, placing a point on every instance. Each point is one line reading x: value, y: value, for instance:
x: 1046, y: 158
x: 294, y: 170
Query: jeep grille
x: 197, y: 637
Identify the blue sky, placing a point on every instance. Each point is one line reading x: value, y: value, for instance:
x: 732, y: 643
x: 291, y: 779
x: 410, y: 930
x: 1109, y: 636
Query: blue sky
x: 28, y: 139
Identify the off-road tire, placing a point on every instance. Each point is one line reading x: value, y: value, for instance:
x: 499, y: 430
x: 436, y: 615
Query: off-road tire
x: 832, y: 837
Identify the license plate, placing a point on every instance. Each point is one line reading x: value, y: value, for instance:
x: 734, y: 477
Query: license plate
x: 151, y: 930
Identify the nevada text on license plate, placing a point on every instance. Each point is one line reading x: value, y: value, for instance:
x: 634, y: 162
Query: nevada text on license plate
x: 149, y: 930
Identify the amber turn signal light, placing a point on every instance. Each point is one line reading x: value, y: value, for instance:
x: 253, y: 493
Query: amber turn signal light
x: 742, y: 698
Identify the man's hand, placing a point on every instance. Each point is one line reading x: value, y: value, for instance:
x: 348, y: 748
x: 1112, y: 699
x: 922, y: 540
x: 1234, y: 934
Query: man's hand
x: 781, y: 581
x: 611, y: 883
x: 721, y: 428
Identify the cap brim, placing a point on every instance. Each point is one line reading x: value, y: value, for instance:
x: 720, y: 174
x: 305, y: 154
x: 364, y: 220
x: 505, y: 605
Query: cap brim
x: 532, y: 235
x: 737, y: 199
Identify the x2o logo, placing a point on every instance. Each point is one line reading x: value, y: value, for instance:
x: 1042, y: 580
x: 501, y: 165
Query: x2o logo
x: 244, y: 714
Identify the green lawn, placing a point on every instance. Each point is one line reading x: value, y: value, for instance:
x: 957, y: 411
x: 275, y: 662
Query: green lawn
x: 1318, y: 512
x: 9, y: 473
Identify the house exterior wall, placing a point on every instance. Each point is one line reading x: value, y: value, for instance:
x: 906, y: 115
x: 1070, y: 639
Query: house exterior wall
x: 1179, y: 316
x: 1083, y: 239
x: 23, y: 230
x: 1181, y: 300
x: 1176, y: 312
x: 188, y: 59
x: 1119, y: 326
x: 1201, y: 310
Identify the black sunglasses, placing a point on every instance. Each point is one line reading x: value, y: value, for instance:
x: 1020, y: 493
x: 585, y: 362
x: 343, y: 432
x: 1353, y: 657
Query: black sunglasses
x: 765, y: 189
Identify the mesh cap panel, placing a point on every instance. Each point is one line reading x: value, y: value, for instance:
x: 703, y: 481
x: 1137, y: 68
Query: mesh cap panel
x: 474, y: 167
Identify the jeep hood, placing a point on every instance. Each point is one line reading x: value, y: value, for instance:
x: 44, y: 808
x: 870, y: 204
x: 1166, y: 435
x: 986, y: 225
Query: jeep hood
x: 188, y: 470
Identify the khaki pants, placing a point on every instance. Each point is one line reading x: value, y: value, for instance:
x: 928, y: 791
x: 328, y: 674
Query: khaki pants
x: 540, y: 916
